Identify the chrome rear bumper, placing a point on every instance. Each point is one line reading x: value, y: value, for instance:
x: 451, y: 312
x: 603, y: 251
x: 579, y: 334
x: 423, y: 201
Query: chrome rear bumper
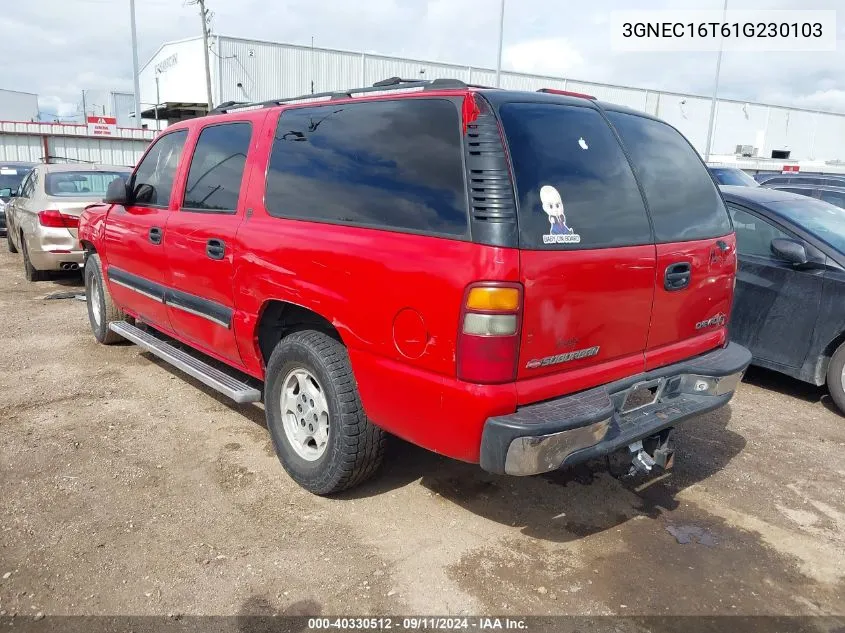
x: 565, y: 431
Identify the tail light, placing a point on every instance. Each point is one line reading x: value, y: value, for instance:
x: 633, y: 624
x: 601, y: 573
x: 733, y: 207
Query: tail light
x: 488, y: 339
x: 57, y: 220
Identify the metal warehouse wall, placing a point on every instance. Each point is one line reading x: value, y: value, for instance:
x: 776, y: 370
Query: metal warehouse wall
x: 269, y: 70
x: 180, y: 71
x: 18, y: 106
x: 70, y: 143
x: 122, y: 103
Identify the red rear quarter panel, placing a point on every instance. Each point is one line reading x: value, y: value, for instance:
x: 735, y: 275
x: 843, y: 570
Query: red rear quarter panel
x: 395, y: 299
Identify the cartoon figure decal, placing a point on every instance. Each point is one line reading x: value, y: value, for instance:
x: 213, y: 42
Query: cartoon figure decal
x: 559, y: 233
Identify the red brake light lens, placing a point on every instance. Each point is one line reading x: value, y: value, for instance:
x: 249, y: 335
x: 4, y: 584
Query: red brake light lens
x: 57, y: 220
x: 489, y: 333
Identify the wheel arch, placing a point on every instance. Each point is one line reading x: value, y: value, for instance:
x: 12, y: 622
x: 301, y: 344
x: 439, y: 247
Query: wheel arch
x: 823, y: 360
x: 278, y: 319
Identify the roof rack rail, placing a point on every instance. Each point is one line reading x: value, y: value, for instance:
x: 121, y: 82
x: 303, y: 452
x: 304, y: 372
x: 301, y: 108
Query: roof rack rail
x: 392, y: 83
x: 224, y: 107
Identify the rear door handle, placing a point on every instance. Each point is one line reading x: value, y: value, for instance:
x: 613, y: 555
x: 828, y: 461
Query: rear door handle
x: 215, y: 248
x: 155, y: 235
x: 677, y: 276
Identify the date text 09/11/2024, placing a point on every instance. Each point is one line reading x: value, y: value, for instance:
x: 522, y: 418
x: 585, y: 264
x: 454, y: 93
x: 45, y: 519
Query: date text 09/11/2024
x: 418, y: 623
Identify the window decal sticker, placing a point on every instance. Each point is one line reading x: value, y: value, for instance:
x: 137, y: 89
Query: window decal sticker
x: 559, y: 233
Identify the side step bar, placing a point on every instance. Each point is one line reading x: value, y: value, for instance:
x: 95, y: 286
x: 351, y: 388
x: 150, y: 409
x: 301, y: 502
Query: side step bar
x: 205, y: 373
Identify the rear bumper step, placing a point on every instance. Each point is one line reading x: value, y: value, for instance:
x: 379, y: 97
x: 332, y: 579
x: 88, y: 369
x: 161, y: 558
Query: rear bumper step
x: 202, y: 371
x: 569, y: 430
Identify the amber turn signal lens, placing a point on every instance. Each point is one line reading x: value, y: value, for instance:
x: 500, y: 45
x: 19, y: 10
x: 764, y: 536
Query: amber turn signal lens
x: 483, y: 298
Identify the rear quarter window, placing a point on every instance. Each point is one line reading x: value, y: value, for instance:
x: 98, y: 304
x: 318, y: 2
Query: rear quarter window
x: 575, y: 187
x: 682, y: 198
x: 383, y: 164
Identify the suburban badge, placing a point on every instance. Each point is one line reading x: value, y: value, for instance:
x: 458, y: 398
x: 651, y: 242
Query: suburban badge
x: 562, y: 358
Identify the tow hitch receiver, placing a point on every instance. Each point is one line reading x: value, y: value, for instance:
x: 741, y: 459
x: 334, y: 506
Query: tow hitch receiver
x: 662, y: 456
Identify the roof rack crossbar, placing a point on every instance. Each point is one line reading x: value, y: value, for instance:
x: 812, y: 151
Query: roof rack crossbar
x: 392, y: 83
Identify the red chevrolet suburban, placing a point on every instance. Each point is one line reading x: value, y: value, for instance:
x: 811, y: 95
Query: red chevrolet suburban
x: 521, y: 280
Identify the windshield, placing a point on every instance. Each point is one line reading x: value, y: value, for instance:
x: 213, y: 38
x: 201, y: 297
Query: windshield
x: 76, y: 184
x: 823, y: 220
x: 731, y: 176
x: 11, y: 177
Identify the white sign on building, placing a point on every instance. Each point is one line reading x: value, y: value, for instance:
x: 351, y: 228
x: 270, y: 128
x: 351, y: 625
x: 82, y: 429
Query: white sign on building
x: 102, y: 126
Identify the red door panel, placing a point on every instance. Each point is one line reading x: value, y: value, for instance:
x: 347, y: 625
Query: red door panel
x: 201, y: 236
x: 583, y: 300
x: 200, y: 301
x: 129, y: 238
x: 693, y: 319
x: 136, y: 235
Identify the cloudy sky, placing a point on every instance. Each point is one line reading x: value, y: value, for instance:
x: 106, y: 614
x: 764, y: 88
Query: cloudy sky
x: 57, y: 48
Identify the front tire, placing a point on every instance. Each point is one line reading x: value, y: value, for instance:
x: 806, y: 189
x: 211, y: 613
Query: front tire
x: 319, y: 429
x: 30, y: 272
x: 101, y: 309
x: 9, y: 241
x: 836, y: 378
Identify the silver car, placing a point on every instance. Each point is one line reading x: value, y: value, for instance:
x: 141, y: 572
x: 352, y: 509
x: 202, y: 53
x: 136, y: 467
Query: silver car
x: 43, y: 217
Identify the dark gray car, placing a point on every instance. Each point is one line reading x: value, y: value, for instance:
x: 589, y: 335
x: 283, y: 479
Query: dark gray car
x: 790, y: 285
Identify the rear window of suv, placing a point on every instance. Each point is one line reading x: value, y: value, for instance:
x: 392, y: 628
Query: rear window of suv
x: 682, y: 198
x: 384, y: 164
x: 574, y: 184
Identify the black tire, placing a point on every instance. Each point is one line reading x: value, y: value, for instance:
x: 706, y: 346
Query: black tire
x: 835, y: 378
x: 10, y: 243
x: 31, y: 272
x: 355, y: 447
x: 108, y: 312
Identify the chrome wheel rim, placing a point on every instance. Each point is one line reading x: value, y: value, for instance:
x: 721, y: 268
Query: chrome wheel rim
x: 95, y: 301
x: 306, y: 414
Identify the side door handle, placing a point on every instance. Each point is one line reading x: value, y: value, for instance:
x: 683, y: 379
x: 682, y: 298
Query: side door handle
x: 215, y: 248
x: 677, y: 276
x: 155, y: 235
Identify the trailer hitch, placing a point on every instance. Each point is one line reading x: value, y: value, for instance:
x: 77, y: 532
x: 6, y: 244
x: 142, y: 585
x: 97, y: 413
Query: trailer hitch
x: 643, y: 462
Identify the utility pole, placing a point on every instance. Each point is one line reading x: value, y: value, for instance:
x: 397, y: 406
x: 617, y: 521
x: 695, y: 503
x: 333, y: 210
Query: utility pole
x: 501, y: 38
x: 715, y: 91
x: 84, y: 108
x: 135, y: 65
x: 204, y: 16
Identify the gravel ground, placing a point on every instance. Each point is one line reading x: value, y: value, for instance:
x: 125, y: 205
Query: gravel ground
x: 127, y: 488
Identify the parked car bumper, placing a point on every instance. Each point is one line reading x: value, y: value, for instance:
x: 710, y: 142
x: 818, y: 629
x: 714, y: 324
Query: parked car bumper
x: 54, y: 249
x: 572, y: 429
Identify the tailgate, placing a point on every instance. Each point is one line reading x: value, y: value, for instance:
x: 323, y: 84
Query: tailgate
x: 587, y: 260
x: 695, y: 244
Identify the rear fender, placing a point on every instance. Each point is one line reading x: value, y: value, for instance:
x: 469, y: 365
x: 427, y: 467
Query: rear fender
x: 92, y: 224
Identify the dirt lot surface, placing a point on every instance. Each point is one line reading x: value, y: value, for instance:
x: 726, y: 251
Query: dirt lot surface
x: 128, y: 488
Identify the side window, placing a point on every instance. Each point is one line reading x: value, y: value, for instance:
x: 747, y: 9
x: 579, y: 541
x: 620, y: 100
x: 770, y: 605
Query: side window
x: 801, y: 191
x: 217, y: 168
x: 384, y: 164
x: 27, y: 186
x: 152, y: 182
x: 29, y: 189
x: 834, y: 197
x: 682, y: 198
x: 754, y: 235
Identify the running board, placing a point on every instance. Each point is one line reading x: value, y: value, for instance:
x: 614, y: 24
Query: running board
x: 219, y: 381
